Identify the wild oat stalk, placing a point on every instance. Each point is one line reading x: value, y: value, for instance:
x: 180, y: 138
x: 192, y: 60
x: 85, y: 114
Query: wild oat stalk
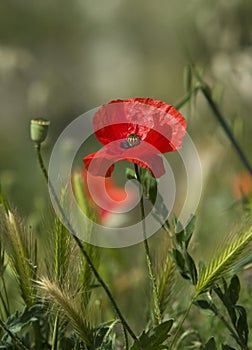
x: 72, y: 274
x: 71, y: 309
x: 165, y: 282
x: 16, y: 241
x: 62, y: 251
x: 234, y: 256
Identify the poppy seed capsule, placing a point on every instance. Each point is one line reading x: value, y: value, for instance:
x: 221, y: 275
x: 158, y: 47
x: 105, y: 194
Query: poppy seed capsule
x: 39, y: 129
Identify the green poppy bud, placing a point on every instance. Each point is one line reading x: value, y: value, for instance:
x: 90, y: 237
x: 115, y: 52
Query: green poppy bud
x: 39, y: 129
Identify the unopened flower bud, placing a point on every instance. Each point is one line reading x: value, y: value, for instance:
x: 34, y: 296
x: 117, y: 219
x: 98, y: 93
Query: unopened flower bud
x: 39, y: 129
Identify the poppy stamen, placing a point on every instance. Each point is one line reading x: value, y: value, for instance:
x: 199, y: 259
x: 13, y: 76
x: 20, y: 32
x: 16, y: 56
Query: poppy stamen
x: 132, y: 141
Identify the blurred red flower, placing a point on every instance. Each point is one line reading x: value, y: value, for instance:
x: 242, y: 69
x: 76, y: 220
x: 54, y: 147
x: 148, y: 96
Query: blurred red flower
x: 105, y: 197
x: 242, y: 185
x: 136, y: 130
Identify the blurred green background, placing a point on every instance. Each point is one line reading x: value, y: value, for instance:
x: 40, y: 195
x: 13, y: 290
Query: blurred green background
x: 59, y: 59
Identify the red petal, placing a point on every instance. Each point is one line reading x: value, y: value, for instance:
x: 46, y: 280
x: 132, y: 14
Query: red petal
x: 100, y: 165
x: 156, y: 122
x: 101, y: 162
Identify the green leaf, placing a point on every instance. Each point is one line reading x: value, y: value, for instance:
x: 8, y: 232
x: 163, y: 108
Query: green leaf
x: 160, y: 333
x: 225, y: 298
x: 227, y: 347
x: 149, y: 184
x: 178, y: 259
x: 154, y: 337
x: 179, y: 237
x: 100, y: 336
x: 210, y: 345
x: 184, y: 235
x: 234, y: 289
x: 242, y: 323
x: 19, y: 320
x: 189, y: 229
x: 174, y: 221
x: 177, y: 225
x: 203, y: 304
x: 191, y: 267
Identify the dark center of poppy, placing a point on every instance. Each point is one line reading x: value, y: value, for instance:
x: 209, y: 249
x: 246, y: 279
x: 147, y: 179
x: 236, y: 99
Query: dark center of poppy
x: 132, y: 141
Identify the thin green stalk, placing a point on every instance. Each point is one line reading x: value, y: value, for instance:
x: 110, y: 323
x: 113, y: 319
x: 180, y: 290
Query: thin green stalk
x: 207, y: 94
x: 205, y: 90
x: 126, y: 326
x: 157, y: 311
x: 55, y: 332
x: 16, y: 340
x: 181, y: 324
x: 187, y: 97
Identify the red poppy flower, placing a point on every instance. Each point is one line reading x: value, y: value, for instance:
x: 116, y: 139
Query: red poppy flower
x: 137, y: 130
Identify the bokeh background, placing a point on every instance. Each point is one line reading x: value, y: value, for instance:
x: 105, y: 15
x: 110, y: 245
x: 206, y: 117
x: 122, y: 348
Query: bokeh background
x: 59, y: 59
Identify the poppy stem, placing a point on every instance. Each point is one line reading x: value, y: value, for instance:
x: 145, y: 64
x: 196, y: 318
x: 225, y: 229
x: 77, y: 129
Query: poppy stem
x: 67, y: 223
x: 157, y: 312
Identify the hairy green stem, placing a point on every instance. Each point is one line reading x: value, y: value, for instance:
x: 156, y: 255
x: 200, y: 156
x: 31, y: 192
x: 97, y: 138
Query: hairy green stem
x: 125, y: 324
x: 181, y: 324
x: 157, y: 312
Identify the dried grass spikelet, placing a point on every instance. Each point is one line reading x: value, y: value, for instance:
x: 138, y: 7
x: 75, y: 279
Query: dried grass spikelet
x: 235, y: 255
x: 19, y: 246
x: 70, y: 307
